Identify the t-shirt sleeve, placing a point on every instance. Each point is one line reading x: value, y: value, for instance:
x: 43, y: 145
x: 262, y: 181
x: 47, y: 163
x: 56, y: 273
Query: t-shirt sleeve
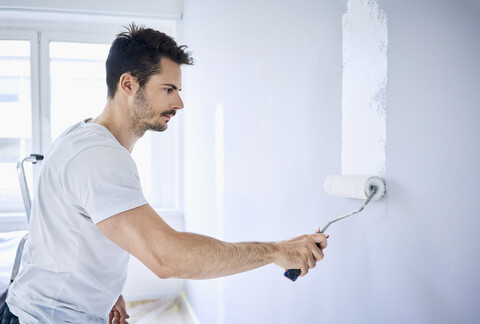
x: 102, y: 182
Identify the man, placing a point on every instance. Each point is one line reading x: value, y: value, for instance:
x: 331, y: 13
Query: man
x: 90, y: 213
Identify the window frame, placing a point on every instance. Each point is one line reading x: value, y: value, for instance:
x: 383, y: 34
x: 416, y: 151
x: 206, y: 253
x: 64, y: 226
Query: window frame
x: 40, y: 28
x: 17, y: 220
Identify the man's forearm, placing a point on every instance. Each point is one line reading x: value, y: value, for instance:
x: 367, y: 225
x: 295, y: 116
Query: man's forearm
x: 194, y: 256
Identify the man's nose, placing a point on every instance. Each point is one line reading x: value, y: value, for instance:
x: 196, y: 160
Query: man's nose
x: 178, y: 104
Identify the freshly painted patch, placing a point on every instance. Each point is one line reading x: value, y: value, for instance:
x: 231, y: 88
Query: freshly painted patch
x: 364, y: 88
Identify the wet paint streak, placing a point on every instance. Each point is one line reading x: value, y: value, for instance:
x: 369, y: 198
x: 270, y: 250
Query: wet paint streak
x: 364, y: 88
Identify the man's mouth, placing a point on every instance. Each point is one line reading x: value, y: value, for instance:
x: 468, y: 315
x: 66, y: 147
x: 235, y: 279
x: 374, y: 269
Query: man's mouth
x: 169, y: 114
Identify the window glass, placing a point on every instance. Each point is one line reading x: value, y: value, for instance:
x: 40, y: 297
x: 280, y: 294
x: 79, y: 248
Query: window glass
x: 16, y: 121
x: 77, y: 83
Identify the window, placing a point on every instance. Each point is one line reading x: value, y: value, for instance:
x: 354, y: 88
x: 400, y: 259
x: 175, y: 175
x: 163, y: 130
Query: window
x: 16, y: 119
x: 51, y: 79
x: 77, y: 82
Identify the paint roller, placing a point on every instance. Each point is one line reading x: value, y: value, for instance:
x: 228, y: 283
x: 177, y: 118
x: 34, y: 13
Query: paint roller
x: 349, y: 186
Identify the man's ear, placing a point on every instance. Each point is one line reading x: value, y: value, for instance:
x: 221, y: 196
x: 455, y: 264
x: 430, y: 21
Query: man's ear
x: 127, y: 84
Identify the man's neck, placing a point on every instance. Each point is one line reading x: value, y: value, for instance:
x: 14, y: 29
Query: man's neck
x: 116, y: 118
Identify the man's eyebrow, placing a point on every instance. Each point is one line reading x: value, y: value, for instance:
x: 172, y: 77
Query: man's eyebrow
x: 174, y: 87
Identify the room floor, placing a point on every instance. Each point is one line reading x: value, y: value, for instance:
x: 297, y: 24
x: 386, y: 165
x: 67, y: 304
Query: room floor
x: 168, y: 309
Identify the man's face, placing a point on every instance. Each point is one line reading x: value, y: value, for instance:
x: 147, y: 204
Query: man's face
x: 158, y: 100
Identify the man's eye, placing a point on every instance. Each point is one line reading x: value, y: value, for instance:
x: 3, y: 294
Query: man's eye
x: 168, y: 90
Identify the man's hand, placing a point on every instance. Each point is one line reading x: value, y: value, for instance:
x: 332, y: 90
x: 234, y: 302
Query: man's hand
x: 301, y: 252
x: 118, y: 314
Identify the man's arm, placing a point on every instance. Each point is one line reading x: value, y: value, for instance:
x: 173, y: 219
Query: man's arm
x: 169, y: 253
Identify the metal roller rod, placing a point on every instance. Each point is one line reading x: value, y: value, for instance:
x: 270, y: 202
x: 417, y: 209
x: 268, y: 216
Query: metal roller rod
x: 374, y: 190
x: 293, y: 274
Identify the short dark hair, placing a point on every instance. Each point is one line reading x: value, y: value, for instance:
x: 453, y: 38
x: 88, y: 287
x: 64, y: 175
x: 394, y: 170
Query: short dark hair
x: 138, y: 51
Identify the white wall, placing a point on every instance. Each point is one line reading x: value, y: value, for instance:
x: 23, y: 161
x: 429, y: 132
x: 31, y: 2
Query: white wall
x: 276, y: 67
x: 433, y: 155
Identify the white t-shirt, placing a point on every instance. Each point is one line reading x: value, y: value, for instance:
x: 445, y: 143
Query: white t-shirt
x: 71, y: 272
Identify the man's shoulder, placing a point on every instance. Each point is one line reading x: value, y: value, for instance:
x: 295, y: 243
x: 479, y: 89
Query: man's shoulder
x: 84, y: 135
x: 86, y: 144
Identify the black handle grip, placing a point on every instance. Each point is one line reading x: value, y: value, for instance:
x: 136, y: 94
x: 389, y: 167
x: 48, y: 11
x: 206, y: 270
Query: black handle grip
x: 293, y: 274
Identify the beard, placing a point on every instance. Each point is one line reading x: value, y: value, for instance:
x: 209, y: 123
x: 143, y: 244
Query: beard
x: 144, y: 116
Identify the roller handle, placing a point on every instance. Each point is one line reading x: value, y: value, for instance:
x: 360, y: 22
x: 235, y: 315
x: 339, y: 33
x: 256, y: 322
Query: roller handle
x: 293, y: 274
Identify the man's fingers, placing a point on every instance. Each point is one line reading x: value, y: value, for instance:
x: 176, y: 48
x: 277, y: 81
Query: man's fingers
x: 303, y: 270
x: 317, y: 254
x: 122, y: 310
x: 115, y: 317
x: 311, y: 262
x: 119, y: 312
x: 321, y: 239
